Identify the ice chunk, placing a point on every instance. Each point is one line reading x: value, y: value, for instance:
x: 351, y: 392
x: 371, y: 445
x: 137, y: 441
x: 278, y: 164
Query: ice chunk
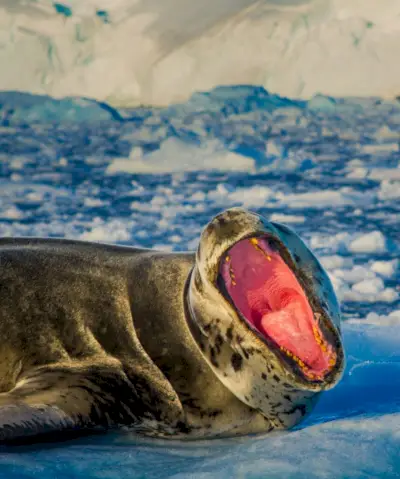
x: 112, y: 231
x: 389, y: 190
x: 336, y: 261
x: 355, y: 275
x: 380, y: 148
x: 367, y: 294
x: 322, y: 103
x: 369, y: 286
x: 385, y: 174
x: 176, y: 155
x: 392, y: 319
x: 235, y: 99
x: 284, y: 218
x: 385, y: 268
x: 248, y: 197
x: 11, y: 213
x: 319, y: 199
x: 373, y: 242
x: 18, y: 107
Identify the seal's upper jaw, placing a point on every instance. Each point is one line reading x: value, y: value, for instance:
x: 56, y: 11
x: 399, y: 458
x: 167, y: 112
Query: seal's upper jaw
x: 258, y: 278
x: 225, y: 230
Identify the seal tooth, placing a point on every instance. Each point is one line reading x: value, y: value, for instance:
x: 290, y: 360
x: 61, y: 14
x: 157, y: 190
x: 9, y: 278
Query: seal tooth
x: 317, y: 335
x: 227, y: 258
x: 232, y: 276
x: 254, y: 242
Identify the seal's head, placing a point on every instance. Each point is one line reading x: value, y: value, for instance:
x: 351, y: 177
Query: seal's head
x: 264, y: 312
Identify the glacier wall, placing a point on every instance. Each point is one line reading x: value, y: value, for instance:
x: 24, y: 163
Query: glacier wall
x: 131, y: 52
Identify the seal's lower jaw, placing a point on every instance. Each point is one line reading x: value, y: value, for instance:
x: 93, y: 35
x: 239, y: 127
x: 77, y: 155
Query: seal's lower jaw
x: 265, y: 291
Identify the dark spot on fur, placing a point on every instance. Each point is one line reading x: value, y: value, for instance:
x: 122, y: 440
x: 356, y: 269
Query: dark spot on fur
x: 191, y: 403
x: 264, y: 376
x: 182, y: 427
x: 236, y: 361
x: 301, y: 408
x: 239, y: 339
x: 276, y: 378
x: 287, y: 397
x: 215, y: 413
x: 246, y: 398
x: 213, y: 358
x: 198, y: 283
x: 246, y: 354
x: 270, y: 428
x: 218, y: 342
x: 229, y: 333
x: 207, y: 327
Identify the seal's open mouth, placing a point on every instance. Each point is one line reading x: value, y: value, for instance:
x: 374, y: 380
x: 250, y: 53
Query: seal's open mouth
x: 264, y: 289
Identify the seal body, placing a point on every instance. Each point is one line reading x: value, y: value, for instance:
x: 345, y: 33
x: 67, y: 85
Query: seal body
x: 95, y: 337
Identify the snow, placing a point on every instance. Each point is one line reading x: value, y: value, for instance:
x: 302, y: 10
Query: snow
x: 130, y: 52
x: 154, y: 177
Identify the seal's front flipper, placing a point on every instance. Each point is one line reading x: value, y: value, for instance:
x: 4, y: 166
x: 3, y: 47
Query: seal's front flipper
x: 59, y: 401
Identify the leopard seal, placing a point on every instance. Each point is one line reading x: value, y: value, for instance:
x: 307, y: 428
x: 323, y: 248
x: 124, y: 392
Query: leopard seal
x: 240, y: 337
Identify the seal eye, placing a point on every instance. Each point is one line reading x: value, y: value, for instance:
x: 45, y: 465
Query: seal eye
x: 267, y: 294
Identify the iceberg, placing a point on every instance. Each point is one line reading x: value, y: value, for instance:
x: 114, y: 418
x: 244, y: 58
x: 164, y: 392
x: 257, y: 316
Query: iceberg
x: 158, y: 52
x: 17, y: 107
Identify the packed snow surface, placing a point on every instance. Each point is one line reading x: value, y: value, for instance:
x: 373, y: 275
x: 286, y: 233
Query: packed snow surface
x: 154, y: 177
x: 131, y: 52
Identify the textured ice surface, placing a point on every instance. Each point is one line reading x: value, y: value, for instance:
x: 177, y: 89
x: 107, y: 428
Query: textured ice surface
x: 26, y: 108
x: 329, y: 174
x: 131, y: 52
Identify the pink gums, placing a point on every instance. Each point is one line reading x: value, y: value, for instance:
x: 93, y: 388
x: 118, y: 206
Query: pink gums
x: 265, y: 290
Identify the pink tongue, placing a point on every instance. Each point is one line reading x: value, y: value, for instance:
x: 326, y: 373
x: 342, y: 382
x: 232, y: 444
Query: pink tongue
x: 269, y: 296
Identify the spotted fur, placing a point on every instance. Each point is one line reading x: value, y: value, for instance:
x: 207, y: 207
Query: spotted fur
x: 246, y: 366
x: 97, y: 337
